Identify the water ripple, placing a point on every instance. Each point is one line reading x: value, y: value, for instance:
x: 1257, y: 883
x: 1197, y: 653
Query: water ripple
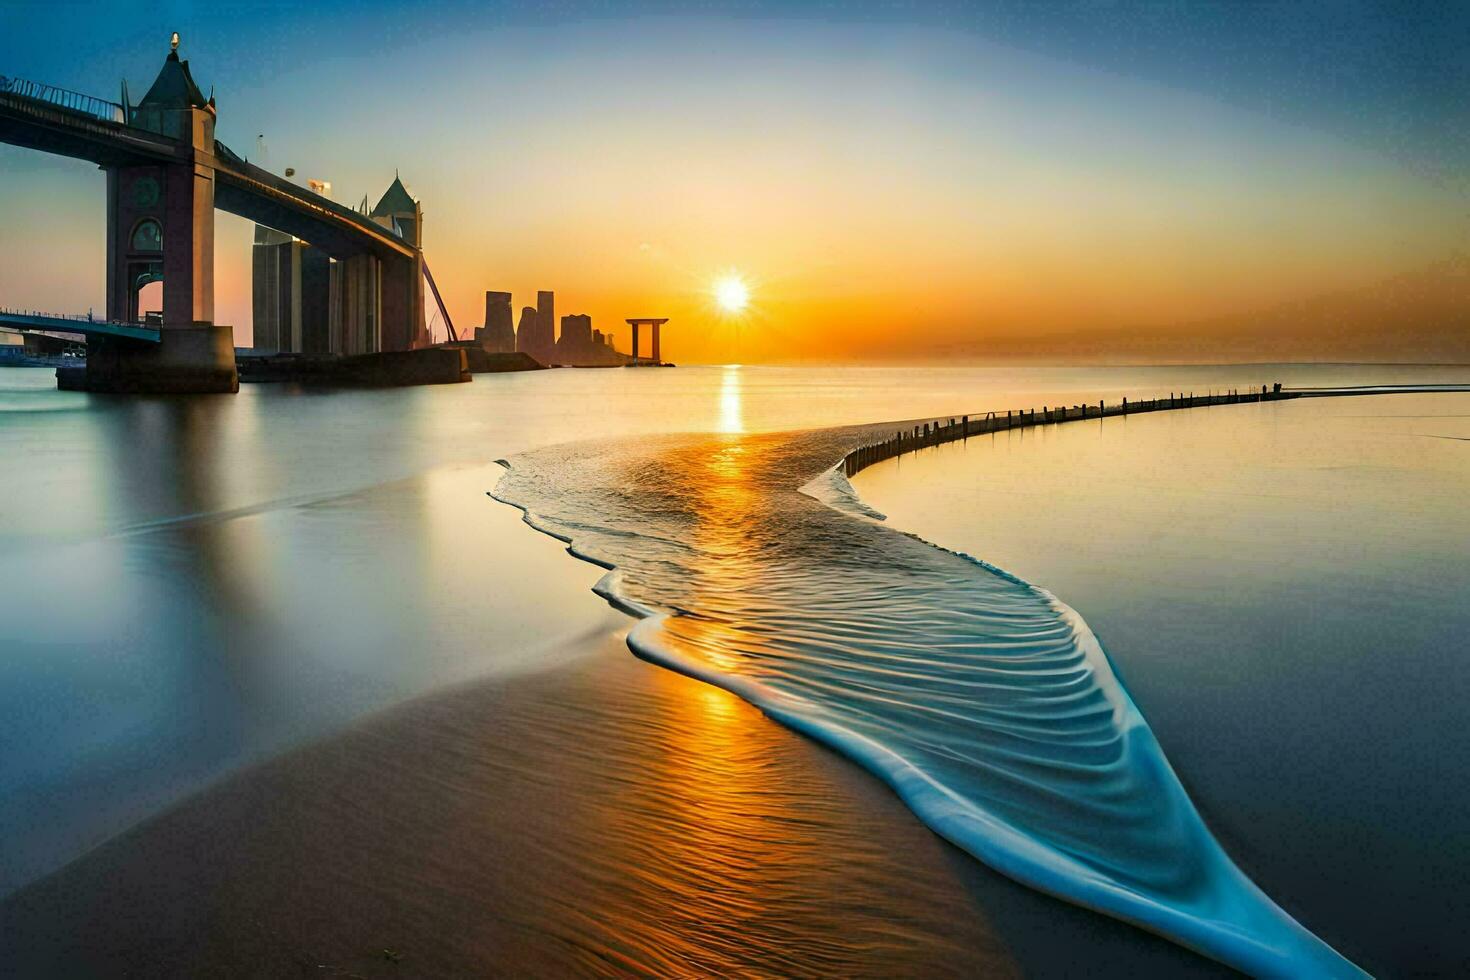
x: 984, y: 701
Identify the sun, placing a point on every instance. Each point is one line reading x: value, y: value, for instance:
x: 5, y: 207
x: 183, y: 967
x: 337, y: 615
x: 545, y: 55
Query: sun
x: 732, y: 294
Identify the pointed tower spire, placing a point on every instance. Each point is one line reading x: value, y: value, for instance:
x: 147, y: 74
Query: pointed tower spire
x: 169, y: 103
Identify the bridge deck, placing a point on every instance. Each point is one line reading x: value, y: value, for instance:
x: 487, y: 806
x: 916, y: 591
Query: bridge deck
x: 65, y: 324
x: 241, y: 188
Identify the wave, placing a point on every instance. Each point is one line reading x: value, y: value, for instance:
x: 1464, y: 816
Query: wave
x: 985, y: 702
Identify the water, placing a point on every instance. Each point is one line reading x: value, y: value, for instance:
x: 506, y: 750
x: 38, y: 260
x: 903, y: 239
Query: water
x: 191, y: 584
x: 1283, y: 588
x: 984, y: 702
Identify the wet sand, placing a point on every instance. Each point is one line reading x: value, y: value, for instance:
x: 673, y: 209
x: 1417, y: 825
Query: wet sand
x: 599, y: 818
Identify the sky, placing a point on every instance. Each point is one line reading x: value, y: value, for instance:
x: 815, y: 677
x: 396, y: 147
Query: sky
x: 1081, y: 181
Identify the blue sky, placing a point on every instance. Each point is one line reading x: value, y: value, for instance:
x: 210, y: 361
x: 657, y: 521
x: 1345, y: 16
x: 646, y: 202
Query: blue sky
x: 1044, y: 166
x: 1393, y: 75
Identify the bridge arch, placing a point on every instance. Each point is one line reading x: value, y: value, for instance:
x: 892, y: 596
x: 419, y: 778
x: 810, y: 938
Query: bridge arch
x: 144, y: 260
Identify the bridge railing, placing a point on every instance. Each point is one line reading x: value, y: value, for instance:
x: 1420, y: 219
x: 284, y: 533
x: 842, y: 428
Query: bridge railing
x: 78, y: 317
x: 270, y: 182
x: 65, y: 98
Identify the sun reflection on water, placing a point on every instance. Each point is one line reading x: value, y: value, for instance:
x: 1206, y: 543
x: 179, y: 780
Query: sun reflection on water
x: 1001, y: 708
x: 731, y: 416
x: 713, y: 846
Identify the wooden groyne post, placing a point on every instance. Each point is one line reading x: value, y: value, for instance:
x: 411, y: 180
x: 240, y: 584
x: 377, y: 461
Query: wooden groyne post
x: 949, y: 430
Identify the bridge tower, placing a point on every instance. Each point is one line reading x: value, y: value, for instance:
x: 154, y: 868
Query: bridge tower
x: 160, y: 227
x: 401, y: 281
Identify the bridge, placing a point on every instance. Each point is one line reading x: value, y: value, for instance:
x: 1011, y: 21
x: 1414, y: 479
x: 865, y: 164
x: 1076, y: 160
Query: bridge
x: 60, y: 323
x: 166, y: 176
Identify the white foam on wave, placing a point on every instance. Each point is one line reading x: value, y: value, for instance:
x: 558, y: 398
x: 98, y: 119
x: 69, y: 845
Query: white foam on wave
x: 1212, y: 907
x: 834, y: 489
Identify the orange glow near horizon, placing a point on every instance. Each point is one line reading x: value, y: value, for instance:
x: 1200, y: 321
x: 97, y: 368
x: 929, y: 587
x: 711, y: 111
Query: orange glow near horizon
x: 939, y: 199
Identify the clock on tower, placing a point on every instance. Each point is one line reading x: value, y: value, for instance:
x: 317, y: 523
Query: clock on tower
x: 145, y: 192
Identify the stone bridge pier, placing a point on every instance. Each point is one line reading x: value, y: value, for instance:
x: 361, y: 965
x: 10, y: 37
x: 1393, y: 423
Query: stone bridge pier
x: 160, y: 228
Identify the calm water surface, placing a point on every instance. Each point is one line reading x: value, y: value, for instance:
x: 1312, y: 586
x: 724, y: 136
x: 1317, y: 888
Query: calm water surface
x: 1283, y: 587
x: 193, y: 583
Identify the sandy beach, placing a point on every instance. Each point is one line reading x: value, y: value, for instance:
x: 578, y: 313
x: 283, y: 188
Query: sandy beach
x: 603, y: 817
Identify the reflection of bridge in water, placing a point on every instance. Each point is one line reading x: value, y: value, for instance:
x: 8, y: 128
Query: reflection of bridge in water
x: 166, y: 176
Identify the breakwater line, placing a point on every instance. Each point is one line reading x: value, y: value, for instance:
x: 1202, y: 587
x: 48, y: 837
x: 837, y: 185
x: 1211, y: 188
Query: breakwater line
x: 983, y: 701
x: 940, y: 431
x: 952, y: 428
